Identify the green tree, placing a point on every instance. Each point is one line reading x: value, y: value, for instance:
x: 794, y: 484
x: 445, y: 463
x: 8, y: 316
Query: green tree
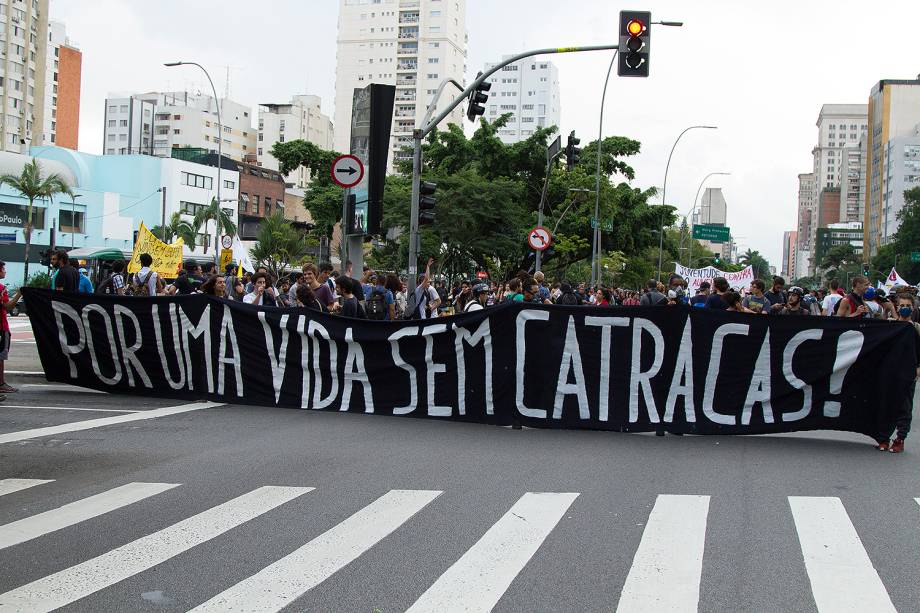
x: 323, y: 198
x: 758, y: 263
x: 33, y: 186
x: 279, y: 245
x: 905, y: 241
x: 176, y: 228
x: 223, y: 223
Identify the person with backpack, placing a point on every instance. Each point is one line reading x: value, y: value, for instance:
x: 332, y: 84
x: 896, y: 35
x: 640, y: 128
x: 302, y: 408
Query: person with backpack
x: 146, y: 282
x: 115, y: 282
x: 653, y: 297
x: 380, y: 304
x: 853, y: 305
x: 423, y: 303
x: 480, y: 296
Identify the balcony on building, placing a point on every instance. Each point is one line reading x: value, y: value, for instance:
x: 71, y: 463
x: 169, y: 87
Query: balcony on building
x: 406, y: 66
x: 406, y: 80
x: 405, y: 95
x: 407, y: 49
x: 409, y: 17
x: 405, y: 5
x: 408, y: 33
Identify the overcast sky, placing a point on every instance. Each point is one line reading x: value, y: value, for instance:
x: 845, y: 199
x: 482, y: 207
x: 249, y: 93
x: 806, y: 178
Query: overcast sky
x: 760, y: 71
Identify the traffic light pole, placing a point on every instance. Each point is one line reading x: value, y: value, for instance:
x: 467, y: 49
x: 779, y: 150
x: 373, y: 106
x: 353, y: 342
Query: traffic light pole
x: 420, y: 133
x: 549, y: 165
x: 596, y: 235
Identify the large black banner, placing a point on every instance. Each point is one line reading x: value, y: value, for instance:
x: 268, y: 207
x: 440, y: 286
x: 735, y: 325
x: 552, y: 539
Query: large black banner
x: 631, y: 369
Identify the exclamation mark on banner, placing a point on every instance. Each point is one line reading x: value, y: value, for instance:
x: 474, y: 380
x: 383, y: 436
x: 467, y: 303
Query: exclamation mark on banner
x: 848, y: 347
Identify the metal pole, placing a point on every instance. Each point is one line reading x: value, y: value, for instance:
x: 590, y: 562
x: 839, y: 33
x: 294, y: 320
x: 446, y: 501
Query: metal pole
x: 413, y: 212
x: 220, y: 140
x: 596, y: 235
x: 693, y: 210
x: 664, y: 193
x: 549, y: 164
x: 163, y: 189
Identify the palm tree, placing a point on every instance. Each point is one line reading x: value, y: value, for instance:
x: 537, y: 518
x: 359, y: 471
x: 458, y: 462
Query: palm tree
x: 223, y: 222
x: 279, y: 245
x: 759, y: 264
x: 32, y: 186
x: 176, y: 228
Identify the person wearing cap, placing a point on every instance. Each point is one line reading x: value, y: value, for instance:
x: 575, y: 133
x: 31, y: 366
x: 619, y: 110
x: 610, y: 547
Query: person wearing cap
x: 480, y: 296
x: 793, y: 304
x: 699, y: 300
x: 86, y: 286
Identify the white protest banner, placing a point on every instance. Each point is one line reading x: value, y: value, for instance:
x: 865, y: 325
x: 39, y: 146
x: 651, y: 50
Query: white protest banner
x: 695, y: 276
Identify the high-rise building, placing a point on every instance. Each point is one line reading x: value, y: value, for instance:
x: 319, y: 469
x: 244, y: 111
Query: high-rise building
x: 713, y: 211
x: 301, y: 118
x: 892, y: 157
x: 179, y: 120
x: 63, y: 72
x: 853, y: 182
x: 839, y: 126
x: 24, y: 48
x: 835, y: 234
x: 412, y: 44
x: 789, y: 245
x: 529, y: 91
x: 807, y: 222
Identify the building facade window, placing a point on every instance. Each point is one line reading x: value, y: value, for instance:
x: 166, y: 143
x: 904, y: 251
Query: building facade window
x: 193, y: 180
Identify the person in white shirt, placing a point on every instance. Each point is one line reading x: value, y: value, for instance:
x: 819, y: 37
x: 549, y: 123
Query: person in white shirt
x: 480, y: 297
x: 832, y: 298
x: 147, y: 276
x: 259, y: 296
x: 427, y: 300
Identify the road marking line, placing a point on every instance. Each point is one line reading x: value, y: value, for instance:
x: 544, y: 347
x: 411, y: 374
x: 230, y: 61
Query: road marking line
x: 51, y: 387
x: 282, y: 582
x: 666, y: 570
x: 478, y: 579
x: 8, y: 486
x: 25, y: 372
x: 841, y: 574
x: 69, y: 514
x: 30, y: 406
x: 104, y: 421
x: 81, y: 580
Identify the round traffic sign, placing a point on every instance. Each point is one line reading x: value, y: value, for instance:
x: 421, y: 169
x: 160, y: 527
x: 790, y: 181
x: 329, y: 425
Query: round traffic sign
x: 539, y: 239
x: 226, y: 241
x: 347, y: 170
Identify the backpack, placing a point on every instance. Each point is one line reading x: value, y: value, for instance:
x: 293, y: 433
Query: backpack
x: 141, y: 288
x: 568, y: 298
x: 414, y: 306
x: 647, y: 299
x: 105, y: 286
x: 376, y: 306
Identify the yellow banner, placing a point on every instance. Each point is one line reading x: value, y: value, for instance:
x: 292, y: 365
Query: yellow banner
x: 226, y: 257
x: 167, y: 259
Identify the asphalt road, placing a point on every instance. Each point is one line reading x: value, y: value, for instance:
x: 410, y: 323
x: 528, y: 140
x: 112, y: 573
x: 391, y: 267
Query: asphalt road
x: 419, y: 515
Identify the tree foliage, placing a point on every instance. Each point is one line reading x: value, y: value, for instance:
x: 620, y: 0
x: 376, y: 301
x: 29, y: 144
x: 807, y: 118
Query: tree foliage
x: 33, y: 186
x: 758, y: 263
x: 905, y: 241
x: 176, y: 228
x: 279, y: 245
x: 223, y: 223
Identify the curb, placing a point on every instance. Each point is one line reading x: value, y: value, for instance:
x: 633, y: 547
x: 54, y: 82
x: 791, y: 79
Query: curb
x: 28, y: 374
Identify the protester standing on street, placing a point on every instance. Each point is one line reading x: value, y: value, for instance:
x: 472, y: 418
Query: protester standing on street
x: 776, y: 295
x: 653, y: 297
x: 425, y: 300
x: 716, y: 300
x: 86, y: 286
x: 215, y: 286
x: 146, y: 281
x: 6, y: 306
x: 67, y: 278
x: 902, y: 423
x: 833, y: 297
x: 260, y: 295
x: 756, y: 302
x: 794, y: 304
x: 699, y: 300
x: 853, y: 305
x: 480, y: 293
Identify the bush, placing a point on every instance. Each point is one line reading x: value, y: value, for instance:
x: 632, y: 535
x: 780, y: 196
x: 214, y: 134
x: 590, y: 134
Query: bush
x: 40, y: 280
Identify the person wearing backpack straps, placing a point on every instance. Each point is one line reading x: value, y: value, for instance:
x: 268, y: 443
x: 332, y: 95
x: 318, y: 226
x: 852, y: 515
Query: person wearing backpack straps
x: 853, y: 305
x: 115, y: 282
x: 146, y: 281
x: 423, y: 303
x: 380, y: 304
x: 653, y: 297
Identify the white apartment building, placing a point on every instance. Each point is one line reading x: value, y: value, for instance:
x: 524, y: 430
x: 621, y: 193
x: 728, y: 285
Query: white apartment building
x: 301, y: 118
x: 713, y: 210
x: 853, y: 182
x: 839, y: 126
x: 412, y: 44
x: 180, y: 119
x: 23, y: 72
x: 529, y: 90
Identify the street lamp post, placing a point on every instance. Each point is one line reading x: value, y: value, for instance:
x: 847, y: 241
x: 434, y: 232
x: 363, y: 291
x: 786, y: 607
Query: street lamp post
x: 73, y: 217
x: 596, y: 235
x: 220, y: 140
x: 664, y: 191
x: 693, y: 210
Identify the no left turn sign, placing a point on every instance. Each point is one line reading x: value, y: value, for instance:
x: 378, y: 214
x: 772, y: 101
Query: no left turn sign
x: 539, y: 239
x: 347, y: 170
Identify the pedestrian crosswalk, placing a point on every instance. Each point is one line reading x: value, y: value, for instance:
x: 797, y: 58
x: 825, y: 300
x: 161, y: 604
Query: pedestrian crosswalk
x: 665, y: 575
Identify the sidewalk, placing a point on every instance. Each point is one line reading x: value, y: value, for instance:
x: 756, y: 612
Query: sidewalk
x: 23, y: 360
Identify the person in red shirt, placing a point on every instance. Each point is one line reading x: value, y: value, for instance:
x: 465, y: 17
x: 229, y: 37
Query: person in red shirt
x: 6, y: 305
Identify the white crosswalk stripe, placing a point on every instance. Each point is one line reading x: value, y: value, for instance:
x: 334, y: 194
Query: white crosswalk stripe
x: 478, y: 579
x: 76, y: 512
x: 78, y: 581
x: 666, y: 570
x: 279, y: 584
x: 8, y: 486
x: 841, y: 573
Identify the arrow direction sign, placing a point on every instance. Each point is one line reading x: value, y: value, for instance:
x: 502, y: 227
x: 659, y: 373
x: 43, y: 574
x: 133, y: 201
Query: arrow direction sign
x: 347, y: 170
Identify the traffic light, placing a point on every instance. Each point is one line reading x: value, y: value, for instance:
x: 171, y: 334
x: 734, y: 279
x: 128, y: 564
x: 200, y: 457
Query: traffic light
x: 716, y: 258
x: 478, y: 97
x: 866, y: 269
x: 572, y: 151
x: 426, y: 203
x: 635, y: 43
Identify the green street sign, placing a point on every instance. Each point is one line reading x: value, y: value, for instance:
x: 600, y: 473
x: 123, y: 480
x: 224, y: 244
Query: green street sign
x: 607, y: 226
x: 915, y: 256
x: 715, y: 234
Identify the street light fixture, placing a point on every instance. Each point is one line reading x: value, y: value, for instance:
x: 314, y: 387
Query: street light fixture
x: 693, y: 210
x: 664, y: 190
x: 220, y: 139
